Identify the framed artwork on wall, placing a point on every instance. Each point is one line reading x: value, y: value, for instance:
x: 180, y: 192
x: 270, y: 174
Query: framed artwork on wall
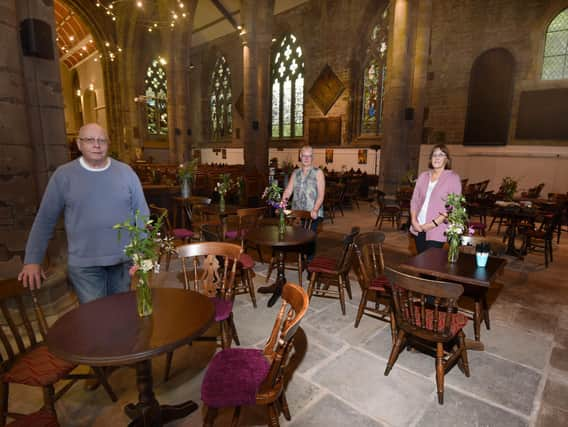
x: 224, y: 153
x: 329, y: 155
x: 362, y: 156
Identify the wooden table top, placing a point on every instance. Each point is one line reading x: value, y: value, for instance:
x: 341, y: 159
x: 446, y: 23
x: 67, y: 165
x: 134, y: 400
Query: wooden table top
x: 434, y: 262
x: 268, y: 235
x: 108, y: 331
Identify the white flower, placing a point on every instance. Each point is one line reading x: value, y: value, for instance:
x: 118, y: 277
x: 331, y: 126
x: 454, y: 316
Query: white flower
x: 147, y: 265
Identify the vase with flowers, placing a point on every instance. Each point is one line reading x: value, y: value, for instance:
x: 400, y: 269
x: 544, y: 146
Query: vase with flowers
x: 224, y: 184
x: 508, y: 188
x: 185, y: 175
x: 273, y: 196
x: 144, y: 249
x: 457, y: 224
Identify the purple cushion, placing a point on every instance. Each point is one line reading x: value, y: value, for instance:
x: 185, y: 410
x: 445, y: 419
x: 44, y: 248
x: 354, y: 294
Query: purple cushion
x: 246, y: 261
x: 182, y: 233
x: 233, y: 377
x: 41, y: 418
x: 223, y: 308
x: 231, y: 234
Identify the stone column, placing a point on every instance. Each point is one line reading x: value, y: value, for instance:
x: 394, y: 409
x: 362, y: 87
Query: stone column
x: 32, y: 124
x: 258, y: 17
x: 394, y: 152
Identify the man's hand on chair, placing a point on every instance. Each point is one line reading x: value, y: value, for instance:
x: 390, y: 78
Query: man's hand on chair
x: 31, y: 276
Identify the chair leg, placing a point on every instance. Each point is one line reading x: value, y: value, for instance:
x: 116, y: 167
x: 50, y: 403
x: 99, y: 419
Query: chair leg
x: 362, y: 306
x: 233, y: 330
x: 169, y: 358
x: 311, y: 285
x: 284, y: 406
x: 49, y: 397
x: 102, y: 377
x: 463, y: 358
x: 249, y: 283
x: 377, y: 221
x: 394, y: 328
x: 5, y: 390
x: 341, y: 291
x: 347, y: 285
x: 395, y: 351
x: 440, y: 372
x: 236, y: 416
x: 210, y: 415
x: 485, y: 309
x: 300, y: 269
x: 273, y: 415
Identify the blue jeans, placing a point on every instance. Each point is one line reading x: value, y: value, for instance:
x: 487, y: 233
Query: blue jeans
x: 91, y: 283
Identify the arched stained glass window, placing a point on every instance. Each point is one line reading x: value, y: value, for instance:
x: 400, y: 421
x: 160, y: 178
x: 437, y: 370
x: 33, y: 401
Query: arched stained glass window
x: 220, y: 100
x: 288, y: 89
x: 156, y: 98
x: 555, y: 61
x: 374, y: 77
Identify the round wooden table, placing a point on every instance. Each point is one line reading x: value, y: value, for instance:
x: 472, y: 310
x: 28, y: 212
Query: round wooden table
x: 108, y: 332
x: 268, y: 235
x: 215, y: 210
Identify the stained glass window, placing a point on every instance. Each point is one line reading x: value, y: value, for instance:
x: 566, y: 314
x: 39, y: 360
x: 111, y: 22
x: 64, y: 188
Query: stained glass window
x: 288, y: 89
x: 220, y: 100
x: 555, y: 62
x: 156, y: 98
x: 374, y: 77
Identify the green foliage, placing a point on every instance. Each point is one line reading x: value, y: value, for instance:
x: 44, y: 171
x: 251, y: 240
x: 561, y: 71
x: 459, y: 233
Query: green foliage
x: 187, y: 170
x: 508, y: 187
x: 457, y: 216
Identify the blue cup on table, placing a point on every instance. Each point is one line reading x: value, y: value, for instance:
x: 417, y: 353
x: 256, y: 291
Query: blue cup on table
x: 481, y: 258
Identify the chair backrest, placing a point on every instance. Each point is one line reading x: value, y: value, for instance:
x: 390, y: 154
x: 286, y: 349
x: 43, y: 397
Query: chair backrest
x: 210, y: 267
x: 196, y: 213
x: 249, y: 218
x: 369, y: 251
x: 21, y: 327
x: 155, y: 213
x: 294, y: 306
x: 300, y: 218
x: 424, y: 308
x: 211, y: 232
x: 534, y: 193
x: 344, y: 262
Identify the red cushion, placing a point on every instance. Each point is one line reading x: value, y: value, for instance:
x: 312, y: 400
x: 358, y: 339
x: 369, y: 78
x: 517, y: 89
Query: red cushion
x: 323, y: 264
x: 246, y: 261
x: 41, y: 418
x: 380, y: 283
x: 458, y: 320
x: 223, y: 308
x: 233, y: 377
x: 38, y: 368
x: 182, y: 233
x: 234, y: 234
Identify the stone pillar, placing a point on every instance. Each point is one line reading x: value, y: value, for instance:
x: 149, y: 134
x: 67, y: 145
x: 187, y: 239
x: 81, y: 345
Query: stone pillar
x: 421, y: 57
x: 32, y: 127
x: 394, y: 152
x: 258, y: 17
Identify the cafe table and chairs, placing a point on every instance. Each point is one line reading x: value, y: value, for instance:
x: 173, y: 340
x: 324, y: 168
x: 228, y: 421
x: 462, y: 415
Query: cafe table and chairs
x: 109, y: 332
x: 476, y: 280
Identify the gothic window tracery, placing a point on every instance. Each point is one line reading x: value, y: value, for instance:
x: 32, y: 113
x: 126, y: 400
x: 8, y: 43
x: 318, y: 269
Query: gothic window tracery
x: 220, y: 100
x: 156, y: 99
x: 287, y: 77
x: 374, y: 77
x: 555, y: 61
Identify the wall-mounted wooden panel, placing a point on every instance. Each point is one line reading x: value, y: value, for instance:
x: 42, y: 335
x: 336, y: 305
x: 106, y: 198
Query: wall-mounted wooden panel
x: 543, y: 114
x: 325, y: 131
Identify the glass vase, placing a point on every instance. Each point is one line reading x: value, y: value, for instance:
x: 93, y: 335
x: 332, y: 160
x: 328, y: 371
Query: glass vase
x: 222, y: 202
x: 282, y: 222
x: 453, y: 250
x: 185, y: 189
x: 143, y: 294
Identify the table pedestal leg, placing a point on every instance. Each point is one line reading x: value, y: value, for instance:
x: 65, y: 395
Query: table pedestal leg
x: 276, y: 287
x: 148, y: 412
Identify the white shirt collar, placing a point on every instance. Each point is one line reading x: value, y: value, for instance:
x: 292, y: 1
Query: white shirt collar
x: 89, y: 168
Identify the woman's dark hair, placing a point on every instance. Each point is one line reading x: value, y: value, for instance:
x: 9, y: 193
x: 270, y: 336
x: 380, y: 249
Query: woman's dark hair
x: 443, y: 149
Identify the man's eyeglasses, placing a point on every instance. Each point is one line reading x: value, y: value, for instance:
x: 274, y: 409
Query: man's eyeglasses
x: 91, y: 141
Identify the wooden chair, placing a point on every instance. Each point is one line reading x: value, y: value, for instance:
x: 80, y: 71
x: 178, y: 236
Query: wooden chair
x: 248, y: 219
x: 534, y: 192
x: 210, y: 268
x: 237, y: 377
x: 540, y: 240
x: 370, y: 273
x: 180, y: 236
x: 427, y: 318
x: 326, y: 272
x: 26, y: 359
x: 387, y: 211
x: 296, y: 218
x: 333, y: 201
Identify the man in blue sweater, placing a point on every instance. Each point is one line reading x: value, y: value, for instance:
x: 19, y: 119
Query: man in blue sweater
x: 94, y: 192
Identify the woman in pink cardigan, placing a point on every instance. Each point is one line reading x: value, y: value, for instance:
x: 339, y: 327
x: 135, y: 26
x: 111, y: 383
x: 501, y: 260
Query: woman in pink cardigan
x: 428, y: 204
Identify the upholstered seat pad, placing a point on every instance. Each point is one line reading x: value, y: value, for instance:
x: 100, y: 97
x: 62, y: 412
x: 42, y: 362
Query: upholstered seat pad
x: 380, y: 283
x: 234, y: 234
x: 223, y: 308
x: 233, y: 377
x: 246, y: 261
x: 323, y: 264
x: 41, y: 418
x: 182, y: 233
x: 38, y: 368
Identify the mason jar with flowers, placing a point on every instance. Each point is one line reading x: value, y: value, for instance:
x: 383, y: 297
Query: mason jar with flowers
x: 185, y: 175
x: 144, y: 249
x: 273, y: 196
x: 457, y: 224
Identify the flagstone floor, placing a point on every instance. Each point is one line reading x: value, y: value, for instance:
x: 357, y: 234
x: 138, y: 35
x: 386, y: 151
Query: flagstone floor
x: 521, y: 379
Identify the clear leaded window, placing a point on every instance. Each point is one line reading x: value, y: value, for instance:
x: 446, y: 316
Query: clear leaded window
x: 156, y: 98
x: 374, y: 77
x: 288, y: 89
x: 220, y: 100
x: 555, y: 62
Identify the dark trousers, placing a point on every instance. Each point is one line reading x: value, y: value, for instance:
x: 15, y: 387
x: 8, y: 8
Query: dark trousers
x: 422, y: 244
x: 311, y: 247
